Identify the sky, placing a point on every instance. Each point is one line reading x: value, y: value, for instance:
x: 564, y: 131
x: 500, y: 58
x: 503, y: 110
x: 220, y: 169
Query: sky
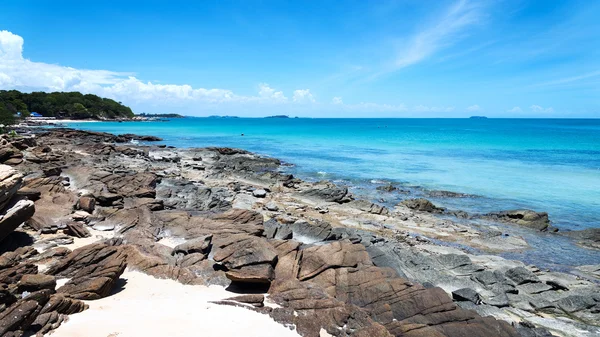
x: 329, y: 58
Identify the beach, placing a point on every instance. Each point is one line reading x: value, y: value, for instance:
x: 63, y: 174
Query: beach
x: 201, y: 223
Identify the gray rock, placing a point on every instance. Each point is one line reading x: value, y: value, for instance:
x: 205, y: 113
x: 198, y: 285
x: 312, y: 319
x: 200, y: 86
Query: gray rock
x: 271, y: 206
x: 521, y: 275
x: 259, y: 193
x: 575, y: 303
x: 422, y: 205
x: 466, y: 294
x: 534, y: 288
x: 522, y: 217
x: 198, y: 245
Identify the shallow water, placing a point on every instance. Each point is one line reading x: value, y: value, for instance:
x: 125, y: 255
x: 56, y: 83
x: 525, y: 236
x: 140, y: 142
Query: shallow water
x: 550, y: 165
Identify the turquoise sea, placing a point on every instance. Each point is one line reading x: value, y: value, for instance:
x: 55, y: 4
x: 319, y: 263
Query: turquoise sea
x: 550, y: 165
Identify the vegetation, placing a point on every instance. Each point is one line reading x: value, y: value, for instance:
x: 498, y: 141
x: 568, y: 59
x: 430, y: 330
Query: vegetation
x: 73, y: 105
x: 6, y: 118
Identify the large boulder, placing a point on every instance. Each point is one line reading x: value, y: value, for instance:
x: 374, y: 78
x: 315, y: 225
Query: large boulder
x: 14, y: 216
x: 422, y: 205
x: 522, y: 217
x: 587, y: 237
x: 327, y: 191
x: 10, y: 182
x: 93, y: 271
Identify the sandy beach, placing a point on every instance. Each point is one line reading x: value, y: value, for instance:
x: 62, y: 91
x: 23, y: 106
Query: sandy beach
x: 147, y: 306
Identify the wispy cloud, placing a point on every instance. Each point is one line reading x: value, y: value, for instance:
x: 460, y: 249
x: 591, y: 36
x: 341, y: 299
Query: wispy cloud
x: 473, y: 108
x: 537, y: 108
x: 515, y: 109
x: 569, y: 80
x: 445, y: 31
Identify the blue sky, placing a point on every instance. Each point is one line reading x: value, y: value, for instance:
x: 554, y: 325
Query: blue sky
x: 411, y: 58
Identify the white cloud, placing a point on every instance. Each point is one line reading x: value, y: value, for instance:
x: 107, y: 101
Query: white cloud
x: 445, y: 31
x: 16, y: 72
x: 537, y: 108
x: 474, y: 108
x: 337, y: 100
x: 265, y: 91
x: 515, y: 109
x: 303, y: 96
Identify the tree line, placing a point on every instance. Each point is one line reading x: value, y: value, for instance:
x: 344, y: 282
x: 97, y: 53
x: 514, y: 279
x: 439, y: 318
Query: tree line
x: 70, y: 105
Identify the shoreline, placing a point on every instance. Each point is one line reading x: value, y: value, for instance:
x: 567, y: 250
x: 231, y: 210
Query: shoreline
x: 318, y: 214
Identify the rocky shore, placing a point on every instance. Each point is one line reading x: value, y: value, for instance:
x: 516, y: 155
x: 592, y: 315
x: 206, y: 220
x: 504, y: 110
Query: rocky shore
x: 80, y: 210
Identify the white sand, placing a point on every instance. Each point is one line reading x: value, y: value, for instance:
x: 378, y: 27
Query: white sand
x: 155, y: 307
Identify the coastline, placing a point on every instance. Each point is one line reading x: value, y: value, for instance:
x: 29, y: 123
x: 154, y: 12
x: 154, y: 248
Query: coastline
x: 321, y: 213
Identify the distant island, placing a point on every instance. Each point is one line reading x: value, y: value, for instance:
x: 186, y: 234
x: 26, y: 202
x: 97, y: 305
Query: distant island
x: 67, y: 105
x: 478, y: 117
x: 160, y: 115
x: 278, y: 116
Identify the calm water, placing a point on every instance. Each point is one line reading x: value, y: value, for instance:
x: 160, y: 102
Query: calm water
x: 550, y: 165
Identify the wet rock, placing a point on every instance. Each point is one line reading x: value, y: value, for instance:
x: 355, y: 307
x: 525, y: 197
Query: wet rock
x: 129, y: 137
x: 522, y: 217
x: 326, y: 191
x: 422, y: 205
x: 587, y: 237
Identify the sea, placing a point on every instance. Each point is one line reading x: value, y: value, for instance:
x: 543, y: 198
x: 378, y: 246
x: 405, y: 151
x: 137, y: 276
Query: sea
x: 547, y: 165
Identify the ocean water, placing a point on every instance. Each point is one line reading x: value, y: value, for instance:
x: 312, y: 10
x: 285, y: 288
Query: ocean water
x: 550, y: 165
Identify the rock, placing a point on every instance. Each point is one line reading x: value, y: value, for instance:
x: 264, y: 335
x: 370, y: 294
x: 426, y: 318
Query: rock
x: 256, y: 300
x: 575, y: 303
x: 387, y: 188
x: 87, y: 204
x: 77, y: 230
x: 466, y: 294
x: 197, y: 245
x: 422, y: 205
x: 337, y: 254
x: 183, y: 195
x: 29, y: 193
x: 35, y: 282
x: 271, y: 206
x: 259, y: 193
x: 247, y: 258
x: 521, y: 275
x: 129, y: 137
x: 587, y: 237
x: 80, y: 216
x: 326, y: 191
x: 93, y: 271
x: 522, y: 217
x: 369, y: 207
x: 310, y: 233
x: 14, y: 216
x: 52, y: 171
x: 10, y: 182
